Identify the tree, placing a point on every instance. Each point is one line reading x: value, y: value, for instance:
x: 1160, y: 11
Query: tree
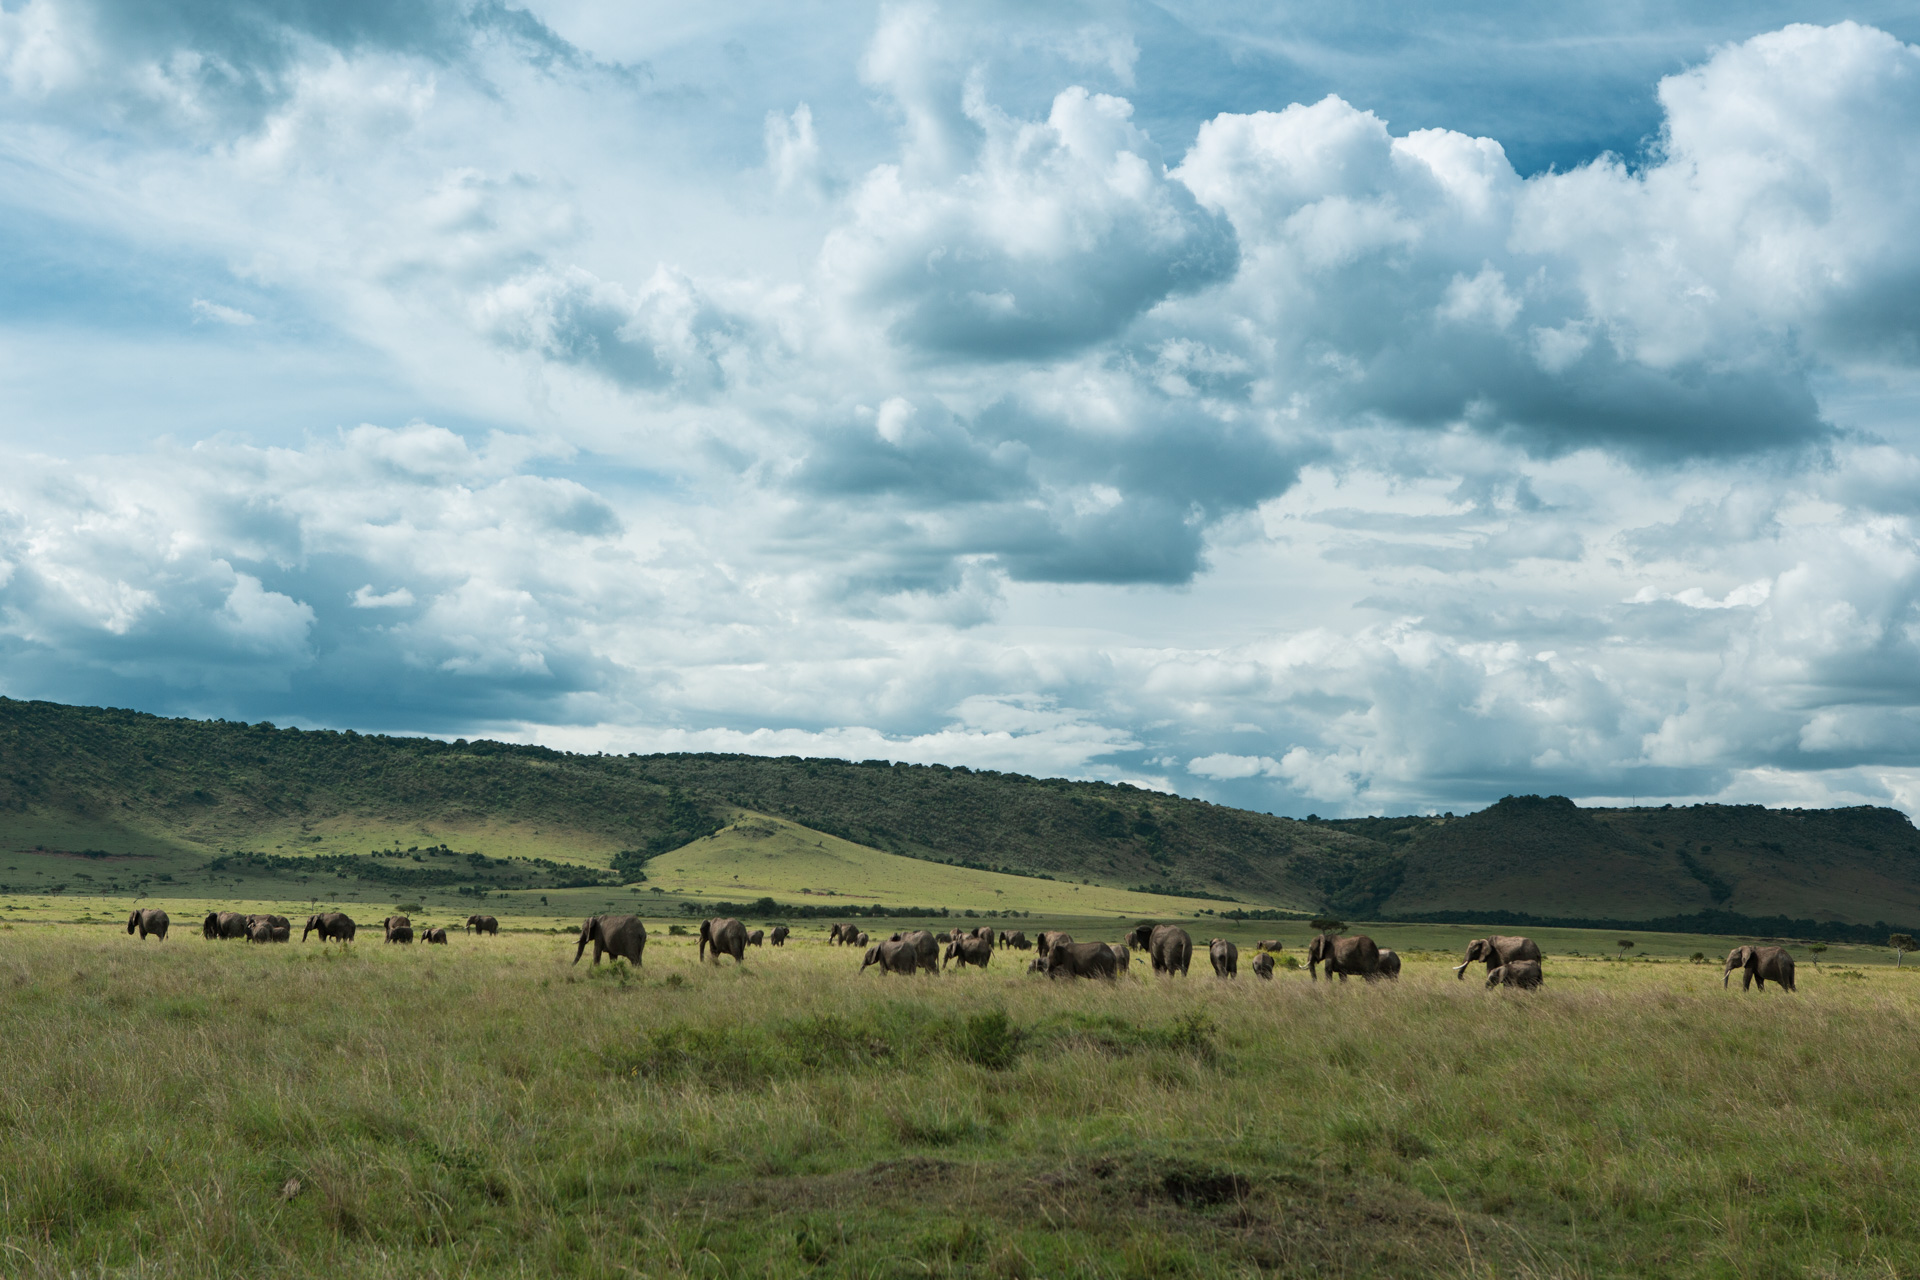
x: 1815, y: 948
x: 1901, y: 944
x: 1698, y: 957
x: 1626, y: 945
x: 1327, y: 924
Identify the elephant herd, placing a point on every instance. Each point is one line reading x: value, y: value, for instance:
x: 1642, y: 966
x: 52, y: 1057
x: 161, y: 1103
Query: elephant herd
x: 262, y: 927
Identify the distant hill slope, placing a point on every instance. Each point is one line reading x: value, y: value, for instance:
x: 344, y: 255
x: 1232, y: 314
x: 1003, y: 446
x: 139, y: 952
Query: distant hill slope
x: 183, y: 792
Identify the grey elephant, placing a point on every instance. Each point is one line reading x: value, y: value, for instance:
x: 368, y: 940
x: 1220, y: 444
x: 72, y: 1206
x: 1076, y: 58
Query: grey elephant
x: 925, y: 946
x: 1051, y: 938
x: 1122, y: 957
x: 1759, y: 964
x: 1525, y: 974
x: 1017, y: 940
x: 437, y: 937
x: 146, y: 921
x: 779, y: 935
x: 859, y: 940
x: 393, y: 924
x: 258, y: 930
x: 619, y: 936
x: 1389, y: 964
x: 1268, y: 944
x: 1081, y: 960
x: 279, y: 928
x: 968, y: 950
x: 1225, y: 957
x: 726, y: 936
x: 1263, y: 966
x: 757, y: 938
x: 1496, y: 951
x: 1036, y: 965
x: 1168, y: 947
x: 892, y: 957
x: 223, y: 924
x: 1358, y: 954
x: 483, y: 924
x: 331, y: 925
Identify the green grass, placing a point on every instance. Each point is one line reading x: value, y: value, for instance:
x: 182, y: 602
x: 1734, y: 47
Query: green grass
x: 486, y: 1108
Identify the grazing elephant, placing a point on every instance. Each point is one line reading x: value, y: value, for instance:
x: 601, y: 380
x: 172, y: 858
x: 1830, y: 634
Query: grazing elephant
x: 613, y: 935
x: 483, y: 924
x: 1122, y: 956
x: 968, y: 949
x: 331, y: 924
x: 1268, y: 944
x: 148, y: 921
x: 395, y: 923
x: 1167, y: 945
x: 1263, y: 966
x: 437, y: 936
x: 1358, y: 954
x: 1017, y: 940
x: 1051, y: 938
x: 892, y: 956
x: 926, y: 947
x: 1496, y: 951
x: 757, y: 938
x: 1762, y: 963
x: 723, y: 934
x: 1389, y: 964
x: 223, y: 924
x: 1225, y: 957
x: 1518, y: 973
x: 779, y: 936
x: 1081, y: 960
x: 280, y: 929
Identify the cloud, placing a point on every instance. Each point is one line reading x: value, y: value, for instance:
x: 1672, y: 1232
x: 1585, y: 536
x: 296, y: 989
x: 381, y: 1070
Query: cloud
x: 204, y: 310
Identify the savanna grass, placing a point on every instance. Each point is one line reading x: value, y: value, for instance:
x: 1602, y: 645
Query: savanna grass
x: 190, y: 1108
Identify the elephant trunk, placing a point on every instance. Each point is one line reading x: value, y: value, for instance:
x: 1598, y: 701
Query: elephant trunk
x: 1460, y: 971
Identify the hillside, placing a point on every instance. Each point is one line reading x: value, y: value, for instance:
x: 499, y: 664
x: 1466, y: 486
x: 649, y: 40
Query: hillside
x: 118, y: 801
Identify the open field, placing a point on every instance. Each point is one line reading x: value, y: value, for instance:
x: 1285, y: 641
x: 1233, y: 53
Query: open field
x: 485, y: 1108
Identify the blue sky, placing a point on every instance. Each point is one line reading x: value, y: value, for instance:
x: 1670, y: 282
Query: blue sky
x: 1333, y: 409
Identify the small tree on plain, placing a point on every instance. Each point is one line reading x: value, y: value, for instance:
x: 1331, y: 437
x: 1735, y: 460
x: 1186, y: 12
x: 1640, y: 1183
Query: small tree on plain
x: 1327, y: 924
x: 1626, y: 945
x: 1698, y: 957
x: 1901, y: 944
x: 1814, y: 949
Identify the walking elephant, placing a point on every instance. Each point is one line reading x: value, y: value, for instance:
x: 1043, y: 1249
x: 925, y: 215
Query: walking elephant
x: 258, y: 930
x: 1358, y: 954
x: 1263, y: 966
x: 437, y: 937
x: 1525, y: 974
x: 394, y: 924
x: 757, y: 938
x: 1268, y: 944
x: 857, y: 940
x: 1017, y: 940
x: 1168, y: 947
x: 277, y: 926
x: 1225, y: 957
x: 618, y: 936
x: 1496, y: 951
x: 926, y: 948
x: 331, y: 925
x: 148, y: 921
x: 1759, y: 964
x: 483, y: 924
x: 725, y: 935
x: 1389, y: 964
x: 968, y: 950
x: 1122, y: 957
x: 223, y: 924
x: 779, y: 935
x: 892, y: 957
x: 1081, y: 960
x: 1051, y: 938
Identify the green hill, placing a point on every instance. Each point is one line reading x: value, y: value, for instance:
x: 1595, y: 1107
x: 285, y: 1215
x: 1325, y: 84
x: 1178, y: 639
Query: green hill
x: 114, y: 801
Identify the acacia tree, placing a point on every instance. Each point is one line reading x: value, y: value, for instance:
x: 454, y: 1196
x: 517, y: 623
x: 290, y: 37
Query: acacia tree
x: 1327, y: 924
x: 1626, y: 945
x: 1815, y: 948
x: 1901, y: 944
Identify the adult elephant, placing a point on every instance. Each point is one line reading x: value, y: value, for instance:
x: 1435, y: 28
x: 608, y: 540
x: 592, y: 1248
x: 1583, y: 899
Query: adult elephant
x: 437, y: 937
x: 1225, y: 957
x: 278, y: 927
x: 223, y: 924
x: 1168, y: 947
x: 858, y: 940
x: 725, y: 935
x: 393, y: 924
x: 926, y: 948
x: 258, y: 930
x: 483, y: 924
x: 779, y: 935
x: 1268, y: 944
x: 892, y: 956
x: 841, y: 934
x: 331, y: 925
x: 1017, y: 940
x: 757, y: 938
x: 613, y: 935
x: 968, y: 949
x: 1081, y: 960
x: 1263, y: 966
x: 1122, y: 957
x: 1525, y: 974
x: 146, y: 921
x: 1496, y: 951
x: 1358, y: 954
x: 1051, y: 938
x: 1389, y: 964
x: 1761, y: 964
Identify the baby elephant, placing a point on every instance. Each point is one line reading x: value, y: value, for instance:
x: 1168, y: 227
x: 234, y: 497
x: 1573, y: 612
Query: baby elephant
x: 1516, y: 973
x: 1225, y: 957
x: 438, y: 936
x: 1389, y: 965
x: 402, y: 933
x: 1263, y: 966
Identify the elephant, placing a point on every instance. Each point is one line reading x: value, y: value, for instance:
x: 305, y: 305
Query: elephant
x: 1051, y: 938
x: 843, y: 934
x: 969, y: 950
x: 1496, y: 951
x: 258, y: 930
x: 1036, y: 965
x: 1225, y: 957
x: 223, y: 924
x: 483, y: 924
x: 1524, y: 974
x: 1358, y: 954
x: 892, y: 957
x: 1263, y: 966
x: 1168, y: 947
x: 779, y: 935
x: 613, y: 935
x: 926, y: 947
x: 147, y: 920
x: 1122, y: 956
x: 331, y: 924
x: 438, y: 937
x: 1268, y: 944
x: 1757, y: 964
x: 1389, y: 964
x: 858, y: 940
x: 984, y: 933
x: 1081, y: 960
x: 394, y: 924
x: 723, y: 934
x: 1017, y: 940
x: 281, y: 930
x: 757, y: 938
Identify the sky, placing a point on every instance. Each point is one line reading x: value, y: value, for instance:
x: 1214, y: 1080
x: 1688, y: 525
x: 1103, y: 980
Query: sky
x: 1322, y: 409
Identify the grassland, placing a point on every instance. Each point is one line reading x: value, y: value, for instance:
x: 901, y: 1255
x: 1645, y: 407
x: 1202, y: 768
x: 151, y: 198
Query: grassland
x: 191, y: 1108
